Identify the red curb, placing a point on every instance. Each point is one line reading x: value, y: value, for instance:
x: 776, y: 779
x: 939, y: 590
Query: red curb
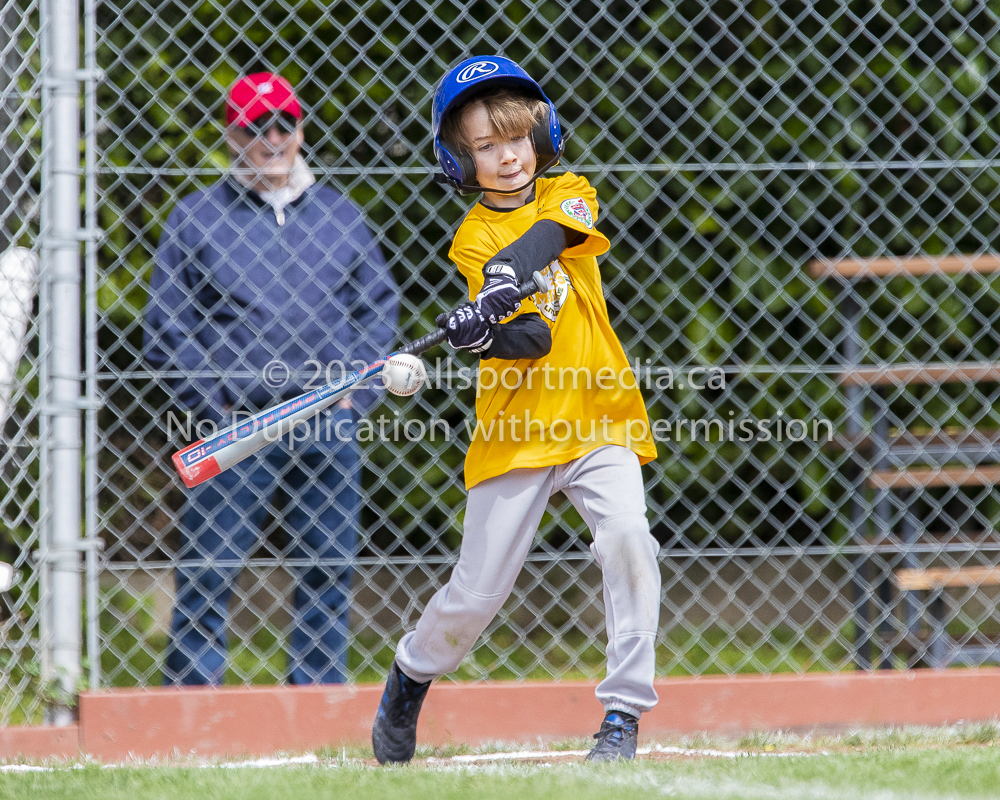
x: 117, y: 724
x: 817, y: 701
x: 234, y: 721
x: 38, y: 742
x: 262, y: 720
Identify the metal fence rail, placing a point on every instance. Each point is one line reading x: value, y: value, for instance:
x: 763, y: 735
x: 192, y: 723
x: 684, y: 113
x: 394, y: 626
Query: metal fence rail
x: 732, y: 146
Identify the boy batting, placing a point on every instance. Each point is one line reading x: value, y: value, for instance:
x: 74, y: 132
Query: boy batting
x: 566, y: 417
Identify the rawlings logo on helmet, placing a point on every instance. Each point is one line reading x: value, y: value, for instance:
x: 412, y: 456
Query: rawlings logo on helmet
x: 478, y: 70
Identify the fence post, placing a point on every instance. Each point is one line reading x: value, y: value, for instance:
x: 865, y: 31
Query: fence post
x: 61, y: 240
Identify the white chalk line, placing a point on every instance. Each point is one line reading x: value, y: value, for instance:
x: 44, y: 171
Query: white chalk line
x: 24, y: 768
x: 257, y: 763
x: 519, y: 755
x: 265, y: 763
x: 529, y: 755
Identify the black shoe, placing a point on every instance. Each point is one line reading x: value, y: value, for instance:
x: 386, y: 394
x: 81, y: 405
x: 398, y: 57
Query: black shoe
x: 617, y: 738
x: 394, y: 735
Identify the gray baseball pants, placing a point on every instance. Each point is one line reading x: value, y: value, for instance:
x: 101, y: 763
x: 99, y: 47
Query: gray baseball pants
x: 501, y: 517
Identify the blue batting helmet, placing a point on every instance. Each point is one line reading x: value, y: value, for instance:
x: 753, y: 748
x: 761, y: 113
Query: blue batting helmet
x: 471, y: 77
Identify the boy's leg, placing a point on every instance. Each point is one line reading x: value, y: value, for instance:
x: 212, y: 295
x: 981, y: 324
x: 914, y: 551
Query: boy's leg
x: 606, y: 488
x: 501, y: 517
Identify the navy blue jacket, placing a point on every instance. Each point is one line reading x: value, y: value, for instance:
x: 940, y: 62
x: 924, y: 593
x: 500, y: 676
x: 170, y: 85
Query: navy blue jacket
x: 234, y: 291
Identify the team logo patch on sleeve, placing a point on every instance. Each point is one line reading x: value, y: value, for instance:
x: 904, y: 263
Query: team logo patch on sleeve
x: 577, y: 209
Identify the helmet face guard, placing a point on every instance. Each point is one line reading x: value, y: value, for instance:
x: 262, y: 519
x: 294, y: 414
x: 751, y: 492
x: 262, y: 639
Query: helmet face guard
x: 471, y: 77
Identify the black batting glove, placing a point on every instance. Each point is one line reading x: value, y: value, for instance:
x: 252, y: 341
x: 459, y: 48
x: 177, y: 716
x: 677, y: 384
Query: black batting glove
x: 467, y: 329
x: 499, y: 298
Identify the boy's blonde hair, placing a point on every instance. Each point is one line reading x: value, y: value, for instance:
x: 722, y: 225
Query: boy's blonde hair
x: 511, y: 114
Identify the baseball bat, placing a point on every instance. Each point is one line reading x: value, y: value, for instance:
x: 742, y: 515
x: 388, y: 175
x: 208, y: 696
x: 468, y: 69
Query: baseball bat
x: 206, y: 458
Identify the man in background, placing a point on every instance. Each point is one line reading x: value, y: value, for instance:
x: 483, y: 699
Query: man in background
x: 266, y: 284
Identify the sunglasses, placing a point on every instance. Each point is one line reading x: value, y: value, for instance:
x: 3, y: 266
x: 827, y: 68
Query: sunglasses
x: 284, y: 122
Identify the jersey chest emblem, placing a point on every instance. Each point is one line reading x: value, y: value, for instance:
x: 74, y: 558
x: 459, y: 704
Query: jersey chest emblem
x: 577, y: 209
x: 551, y: 302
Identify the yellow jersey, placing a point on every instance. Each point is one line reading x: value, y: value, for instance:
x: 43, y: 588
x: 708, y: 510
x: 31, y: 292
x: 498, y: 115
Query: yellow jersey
x: 582, y: 395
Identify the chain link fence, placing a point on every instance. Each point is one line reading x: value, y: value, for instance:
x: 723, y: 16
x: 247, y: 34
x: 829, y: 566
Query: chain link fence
x: 22, y: 654
x: 740, y: 151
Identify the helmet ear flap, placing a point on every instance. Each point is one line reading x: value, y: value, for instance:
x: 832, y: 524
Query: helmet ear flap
x: 459, y: 170
x: 542, y: 140
x: 548, y: 140
x: 468, y: 167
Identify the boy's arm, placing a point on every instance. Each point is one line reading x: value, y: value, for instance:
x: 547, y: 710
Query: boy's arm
x: 538, y: 247
x: 478, y: 327
x: 534, y: 250
x: 526, y: 336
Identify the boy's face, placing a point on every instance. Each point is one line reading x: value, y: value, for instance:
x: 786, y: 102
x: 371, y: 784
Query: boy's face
x: 500, y: 163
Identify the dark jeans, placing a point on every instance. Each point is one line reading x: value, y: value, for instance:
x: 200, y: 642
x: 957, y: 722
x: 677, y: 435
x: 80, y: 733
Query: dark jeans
x: 222, y: 524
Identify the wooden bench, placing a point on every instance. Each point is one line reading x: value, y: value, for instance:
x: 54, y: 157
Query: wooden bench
x: 915, y: 580
x: 920, y: 374
x: 933, y: 477
x: 946, y: 440
x: 934, y: 580
x: 969, y: 446
x: 903, y: 265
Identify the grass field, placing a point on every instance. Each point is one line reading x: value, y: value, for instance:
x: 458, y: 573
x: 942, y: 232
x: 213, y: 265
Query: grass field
x: 958, y: 762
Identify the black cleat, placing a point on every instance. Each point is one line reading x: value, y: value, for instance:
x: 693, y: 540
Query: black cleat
x: 617, y: 738
x: 394, y: 735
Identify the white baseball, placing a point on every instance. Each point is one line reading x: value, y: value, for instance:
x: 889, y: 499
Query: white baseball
x: 403, y: 375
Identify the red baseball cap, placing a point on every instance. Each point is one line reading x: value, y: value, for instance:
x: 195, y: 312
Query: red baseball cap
x: 258, y: 94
